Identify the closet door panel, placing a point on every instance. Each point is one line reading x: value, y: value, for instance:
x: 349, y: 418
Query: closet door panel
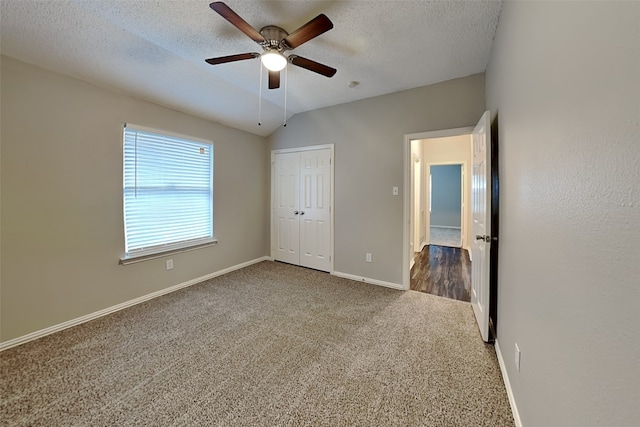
x: 315, y: 209
x: 286, y: 200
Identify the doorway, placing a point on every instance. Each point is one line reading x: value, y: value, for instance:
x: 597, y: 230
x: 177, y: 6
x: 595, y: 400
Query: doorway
x: 483, y: 181
x: 440, y: 265
x: 437, y: 151
x: 446, y: 204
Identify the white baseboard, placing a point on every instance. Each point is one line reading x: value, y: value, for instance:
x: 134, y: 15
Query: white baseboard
x: 507, y: 384
x: 73, y: 322
x: 445, y: 226
x: 367, y: 280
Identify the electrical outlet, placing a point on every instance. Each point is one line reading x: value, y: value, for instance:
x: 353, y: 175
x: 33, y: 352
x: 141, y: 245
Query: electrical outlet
x: 395, y: 191
x: 169, y: 264
x: 368, y: 257
x: 517, y: 355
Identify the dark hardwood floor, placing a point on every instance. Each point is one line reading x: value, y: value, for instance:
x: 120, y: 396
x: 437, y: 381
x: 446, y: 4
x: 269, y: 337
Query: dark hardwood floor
x: 442, y: 271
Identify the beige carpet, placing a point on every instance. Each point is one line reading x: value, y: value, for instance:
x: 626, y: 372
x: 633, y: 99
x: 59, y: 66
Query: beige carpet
x: 268, y: 345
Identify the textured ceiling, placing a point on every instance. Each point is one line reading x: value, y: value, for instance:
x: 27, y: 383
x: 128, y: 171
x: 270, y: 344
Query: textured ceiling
x: 156, y: 50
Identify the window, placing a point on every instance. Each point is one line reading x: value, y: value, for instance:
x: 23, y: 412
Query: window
x: 167, y: 192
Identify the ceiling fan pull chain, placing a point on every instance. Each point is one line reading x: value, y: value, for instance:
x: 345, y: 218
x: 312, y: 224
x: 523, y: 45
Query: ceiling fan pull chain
x: 260, y: 99
x: 286, y: 79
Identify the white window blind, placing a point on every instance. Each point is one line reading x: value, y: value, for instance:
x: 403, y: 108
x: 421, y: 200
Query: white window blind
x: 168, y: 192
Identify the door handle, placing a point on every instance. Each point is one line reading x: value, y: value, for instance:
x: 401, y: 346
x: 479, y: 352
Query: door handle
x: 483, y: 238
x: 301, y: 212
x: 295, y: 212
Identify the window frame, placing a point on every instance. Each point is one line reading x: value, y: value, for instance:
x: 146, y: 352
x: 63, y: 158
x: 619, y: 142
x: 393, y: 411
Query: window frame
x: 162, y: 250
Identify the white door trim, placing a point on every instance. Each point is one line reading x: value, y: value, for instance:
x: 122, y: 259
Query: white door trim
x: 333, y: 193
x: 406, y: 247
x: 418, y: 191
x: 300, y: 149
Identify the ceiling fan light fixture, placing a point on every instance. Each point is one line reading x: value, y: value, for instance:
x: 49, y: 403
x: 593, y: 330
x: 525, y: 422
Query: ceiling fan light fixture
x: 273, y: 60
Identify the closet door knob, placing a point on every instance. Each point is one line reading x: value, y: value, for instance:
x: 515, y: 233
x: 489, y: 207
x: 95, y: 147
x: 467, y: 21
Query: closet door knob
x: 301, y: 212
x: 295, y: 212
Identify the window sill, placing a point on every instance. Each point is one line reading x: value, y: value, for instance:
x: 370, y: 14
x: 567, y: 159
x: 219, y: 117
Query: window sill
x: 139, y: 258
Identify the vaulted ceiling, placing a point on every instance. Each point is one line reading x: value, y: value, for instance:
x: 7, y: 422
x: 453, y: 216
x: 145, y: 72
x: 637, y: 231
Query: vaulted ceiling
x: 156, y: 50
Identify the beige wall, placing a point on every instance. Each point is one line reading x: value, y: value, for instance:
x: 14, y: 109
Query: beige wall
x: 564, y: 81
x: 62, y: 226
x: 369, y: 138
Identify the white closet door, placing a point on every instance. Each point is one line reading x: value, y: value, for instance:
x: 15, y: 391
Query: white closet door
x: 315, y: 209
x: 286, y: 199
x: 301, y: 229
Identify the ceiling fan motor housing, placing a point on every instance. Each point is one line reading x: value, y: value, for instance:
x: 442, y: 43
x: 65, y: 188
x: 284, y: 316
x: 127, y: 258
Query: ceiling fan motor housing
x: 273, y: 37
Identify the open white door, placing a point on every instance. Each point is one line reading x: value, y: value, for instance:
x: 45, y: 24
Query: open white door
x: 481, y: 226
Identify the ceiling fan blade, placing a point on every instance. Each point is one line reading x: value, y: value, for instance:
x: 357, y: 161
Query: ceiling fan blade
x: 274, y: 79
x: 314, y: 66
x: 311, y: 29
x: 232, y: 58
x: 235, y: 19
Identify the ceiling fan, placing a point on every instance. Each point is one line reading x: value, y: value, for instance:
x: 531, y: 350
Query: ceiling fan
x: 275, y: 42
